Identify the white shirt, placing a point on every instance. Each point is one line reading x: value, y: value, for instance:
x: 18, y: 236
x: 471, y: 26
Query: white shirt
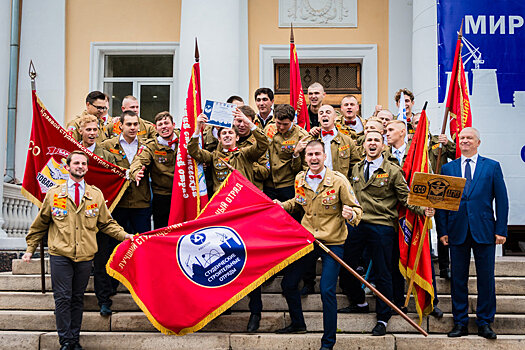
x: 399, y: 153
x: 374, y: 165
x: 269, y: 117
x: 129, y: 148
x: 473, y: 162
x: 358, y: 127
x: 71, y: 189
x: 314, y: 183
x: 163, y: 142
x: 92, y: 147
x: 327, y: 140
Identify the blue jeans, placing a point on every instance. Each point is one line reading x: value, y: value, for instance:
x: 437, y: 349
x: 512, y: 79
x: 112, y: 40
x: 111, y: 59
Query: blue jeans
x: 293, y: 275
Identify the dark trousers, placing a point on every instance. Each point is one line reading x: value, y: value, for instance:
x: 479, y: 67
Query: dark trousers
x: 293, y: 275
x: 442, y: 251
x: 255, y: 303
x: 379, y: 242
x: 69, y: 280
x: 161, y: 206
x: 133, y: 220
x: 484, y: 258
x: 398, y: 281
x: 105, y: 286
x: 282, y: 195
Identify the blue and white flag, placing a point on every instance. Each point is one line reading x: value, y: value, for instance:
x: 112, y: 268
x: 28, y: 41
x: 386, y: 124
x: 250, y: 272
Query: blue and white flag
x: 402, y: 114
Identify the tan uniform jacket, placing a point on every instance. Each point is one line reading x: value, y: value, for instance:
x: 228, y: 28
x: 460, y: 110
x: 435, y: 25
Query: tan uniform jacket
x: 261, y: 168
x: 322, y: 208
x: 72, y: 231
x: 159, y: 161
x: 380, y: 195
x: 344, y: 153
x: 346, y: 129
x: 146, y: 130
x: 283, y: 166
x: 134, y: 197
x: 259, y: 122
x: 449, y: 151
x: 73, y: 128
x: 102, y: 153
x: 241, y: 159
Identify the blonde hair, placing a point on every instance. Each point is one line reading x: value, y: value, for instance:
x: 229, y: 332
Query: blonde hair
x: 86, y: 119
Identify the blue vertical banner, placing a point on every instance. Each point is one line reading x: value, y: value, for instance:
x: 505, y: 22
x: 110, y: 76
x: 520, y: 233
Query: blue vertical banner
x: 494, y: 38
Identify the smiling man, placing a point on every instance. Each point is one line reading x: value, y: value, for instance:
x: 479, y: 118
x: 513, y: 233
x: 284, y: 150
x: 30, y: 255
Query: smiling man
x: 89, y: 131
x: 146, y: 129
x: 328, y: 203
x: 96, y: 104
x: 264, y: 102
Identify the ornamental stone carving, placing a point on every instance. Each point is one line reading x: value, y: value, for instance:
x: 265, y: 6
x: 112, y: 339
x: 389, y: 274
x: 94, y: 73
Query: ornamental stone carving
x: 318, y: 13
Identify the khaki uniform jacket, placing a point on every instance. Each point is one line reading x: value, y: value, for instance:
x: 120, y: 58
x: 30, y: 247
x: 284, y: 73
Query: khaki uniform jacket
x: 73, y: 127
x: 102, y: 153
x: 345, y: 153
x: 380, y: 195
x: 449, y: 151
x: 72, y: 231
x: 159, y: 161
x: 283, y: 166
x: 146, y: 130
x: 346, y: 129
x: 322, y: 208
x: 260, y: 124
x: 134, y: 197
x: 261, y: 168
x: 242, y: 159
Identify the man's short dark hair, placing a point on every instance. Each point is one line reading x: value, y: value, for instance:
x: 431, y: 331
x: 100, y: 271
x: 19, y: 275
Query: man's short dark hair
x: 233, y: 127
x: 163, y: 115
x: 284, y: 111
x: 406, y: 92
x: 263, y: 90
x: 248, y: 111
x: 234, y: 98
x: 314, y: 143
x: 95, y: 95
x: 70, y: 156
x: 127, y: 114
x: 376, y: 131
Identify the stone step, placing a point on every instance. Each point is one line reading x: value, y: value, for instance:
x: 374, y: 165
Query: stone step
x: 20, y: 340
x: 309, y: 341
x: 15, y: 320
x: 510, y: 266
x: 503, y: 324
x: 271, y: 302
x: 504, y: 285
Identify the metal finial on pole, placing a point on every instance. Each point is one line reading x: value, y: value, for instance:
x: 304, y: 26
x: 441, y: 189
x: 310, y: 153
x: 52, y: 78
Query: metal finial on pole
x: 291, y: 33
x: 196, y: 51
x: 32, y: 74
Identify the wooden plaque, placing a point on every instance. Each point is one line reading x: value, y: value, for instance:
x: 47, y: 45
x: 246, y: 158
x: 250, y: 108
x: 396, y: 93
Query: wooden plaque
x: 436, y: 191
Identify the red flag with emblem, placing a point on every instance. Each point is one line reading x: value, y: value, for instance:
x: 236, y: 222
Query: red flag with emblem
x: 412, y: 227
x: 297, y: 100
x: 49, y: 146
x: 185, y: 275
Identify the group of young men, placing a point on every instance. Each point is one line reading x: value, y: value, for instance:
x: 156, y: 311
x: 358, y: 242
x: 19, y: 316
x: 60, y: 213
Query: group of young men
x: 342, y: 180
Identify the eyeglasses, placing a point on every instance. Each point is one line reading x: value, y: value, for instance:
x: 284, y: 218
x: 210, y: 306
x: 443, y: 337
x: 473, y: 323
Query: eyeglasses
x: 100, y: 108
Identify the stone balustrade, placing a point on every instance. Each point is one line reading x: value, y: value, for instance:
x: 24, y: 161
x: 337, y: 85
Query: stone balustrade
x: 18, y: 214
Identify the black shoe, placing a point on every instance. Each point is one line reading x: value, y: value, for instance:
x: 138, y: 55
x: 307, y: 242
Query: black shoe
x: 458, y: 331
x: 379, y: 329
x: 291, y: 329
x: 445, y: 273
x: 403, y: 309
x: 354, y: 309
x: 66, y: 346
x: 433, y: 256
x: 307, y: 289
x: 437, y: 313
x: 77, y: 346
x: 486, y: 332
x: 253, y: 323
x: 105, y: 310
x: 325, y: 348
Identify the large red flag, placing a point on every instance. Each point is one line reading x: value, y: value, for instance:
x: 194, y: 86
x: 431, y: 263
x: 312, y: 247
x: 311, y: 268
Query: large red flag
x: 189, y: 193
x: 49, y: 146
x: 412, y: 227
x: 297, y: 100
x: 458, y: 100
x: 185, y: 275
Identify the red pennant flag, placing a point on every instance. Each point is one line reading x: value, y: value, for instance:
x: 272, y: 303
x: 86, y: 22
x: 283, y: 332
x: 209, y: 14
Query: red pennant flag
x: 458, y: 100
x: 412, y: 227
x: 297, y: 100
x: 49, y: 146
x: 205, y: 266
x: 189, y: 194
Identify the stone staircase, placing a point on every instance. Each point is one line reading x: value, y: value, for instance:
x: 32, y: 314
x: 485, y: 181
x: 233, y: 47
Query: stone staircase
x: 27, y: 320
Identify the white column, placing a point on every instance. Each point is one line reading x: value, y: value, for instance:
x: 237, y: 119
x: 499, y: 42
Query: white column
x: 222, y: 31
x: 5, y: 23
x: 42, y: 39
x: 399, y: 49
x: 425, y: 62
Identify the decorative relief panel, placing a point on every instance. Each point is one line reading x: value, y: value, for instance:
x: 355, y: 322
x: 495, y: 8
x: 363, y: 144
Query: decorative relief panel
x: 318, y: 13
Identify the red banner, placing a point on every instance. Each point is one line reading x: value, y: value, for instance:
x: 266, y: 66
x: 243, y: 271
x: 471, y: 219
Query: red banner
x: 49, y: 146
x: 458, y: 100
x: 297, y: 99
x: 412, y: 227
x: 185, y: 275
x: 189, y: 193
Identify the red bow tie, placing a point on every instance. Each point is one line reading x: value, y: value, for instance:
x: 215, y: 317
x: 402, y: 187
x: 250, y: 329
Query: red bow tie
x: 175, y: 140
x: 351, y: 122
x: 324, y: 133
x: 233, y: 149
x: 316, y: 176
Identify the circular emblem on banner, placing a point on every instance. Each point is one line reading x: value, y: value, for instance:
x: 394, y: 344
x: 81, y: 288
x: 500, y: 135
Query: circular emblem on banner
x: 212, y: 256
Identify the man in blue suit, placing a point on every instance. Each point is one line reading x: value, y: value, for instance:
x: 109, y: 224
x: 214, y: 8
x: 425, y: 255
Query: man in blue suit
x: 473, y: 227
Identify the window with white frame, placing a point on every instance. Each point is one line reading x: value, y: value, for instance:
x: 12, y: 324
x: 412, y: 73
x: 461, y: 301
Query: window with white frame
x: 145, y: 71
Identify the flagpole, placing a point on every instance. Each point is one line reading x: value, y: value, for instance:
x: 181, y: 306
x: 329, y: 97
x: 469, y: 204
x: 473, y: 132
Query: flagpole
x: 445, y: 117
x: 416, y: 261
x: 372, y: 288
